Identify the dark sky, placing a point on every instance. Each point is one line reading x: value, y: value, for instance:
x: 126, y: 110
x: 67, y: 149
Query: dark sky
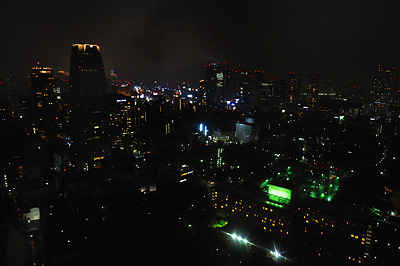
x: 173, y: 40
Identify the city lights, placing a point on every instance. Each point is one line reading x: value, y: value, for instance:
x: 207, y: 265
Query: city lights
x: 241, y: 163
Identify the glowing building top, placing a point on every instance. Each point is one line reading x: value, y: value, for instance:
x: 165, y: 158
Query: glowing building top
x: 85, y: 47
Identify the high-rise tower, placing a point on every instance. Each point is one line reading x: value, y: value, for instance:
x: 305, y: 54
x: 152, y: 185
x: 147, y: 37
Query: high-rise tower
x: 87, y: 78
x: 88, y: 116
x: 313, y: 87
x: 45, y: 106
x: 293, y: 89
x: 384, y: 83
x: 216, y: 81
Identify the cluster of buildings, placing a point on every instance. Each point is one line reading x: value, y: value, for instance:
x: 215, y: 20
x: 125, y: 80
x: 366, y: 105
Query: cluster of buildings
x: 83, y: 137
x: 313, y: 126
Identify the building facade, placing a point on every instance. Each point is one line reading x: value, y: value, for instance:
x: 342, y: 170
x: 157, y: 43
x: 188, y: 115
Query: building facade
x: 88, y: 114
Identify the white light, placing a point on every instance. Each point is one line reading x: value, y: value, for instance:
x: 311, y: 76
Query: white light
x: 183, y: 180
x: 276, y: 254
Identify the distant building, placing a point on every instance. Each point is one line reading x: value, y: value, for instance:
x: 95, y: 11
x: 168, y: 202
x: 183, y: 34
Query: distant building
x: 88, y: 116
x: 246, y: 132
x: 120, y: 122
x: 294, y: 85
x: 313, y: 87
x: 215, y: 83
x: 384, y: 83
x: 45, y: 102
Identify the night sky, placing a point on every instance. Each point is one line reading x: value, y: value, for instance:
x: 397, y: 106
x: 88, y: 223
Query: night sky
x: 173, y: 40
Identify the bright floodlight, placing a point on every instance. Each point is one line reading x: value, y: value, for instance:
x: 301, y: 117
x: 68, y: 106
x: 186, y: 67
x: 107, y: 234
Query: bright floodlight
x: 276, y: 254
x: 236, y: 237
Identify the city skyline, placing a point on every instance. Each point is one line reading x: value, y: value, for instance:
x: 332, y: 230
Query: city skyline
x: 172, y: 42
x: 229, y: 127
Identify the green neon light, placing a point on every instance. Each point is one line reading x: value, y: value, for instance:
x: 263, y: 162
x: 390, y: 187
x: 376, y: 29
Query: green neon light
x: 264, y: 186
x: 274, y: 204
x: 219, y: 224
x: 281, y: 192
x: 376, y: 211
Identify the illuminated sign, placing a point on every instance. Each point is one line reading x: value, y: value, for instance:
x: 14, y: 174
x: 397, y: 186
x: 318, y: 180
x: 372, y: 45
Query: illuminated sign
x: 279, y: 194
x: 35, y: 214
x: 220, y: 76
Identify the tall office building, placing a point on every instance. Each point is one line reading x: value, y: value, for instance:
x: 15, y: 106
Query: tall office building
x: 241, y: 84
x: 313, y: 87
x: 45, y: 102
x: 120, y: 122
x: 216, y: 82
x: 384, y: 83
x: 88, y: 116
x: 293, y: 90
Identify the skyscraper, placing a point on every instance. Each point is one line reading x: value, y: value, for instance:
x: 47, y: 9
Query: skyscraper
x: 217, y: 77
x: 120, y: 122
x: 294, y: 82
x: 45, y: 106
x: 313, y: 87
x: 88, y: 116
x: 384, y: 83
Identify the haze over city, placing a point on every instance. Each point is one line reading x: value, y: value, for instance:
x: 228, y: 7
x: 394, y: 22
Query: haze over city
x: 173, y: 40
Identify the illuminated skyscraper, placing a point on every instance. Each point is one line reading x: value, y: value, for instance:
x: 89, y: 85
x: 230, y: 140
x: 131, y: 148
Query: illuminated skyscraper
x: 88, y: 117
x: 120, y: 122
x: 87, y: 78
x: 217, y: 77
x: 45, y: 106
x: 384, y: 83
x: 313, y: 87
x: 293, y: 90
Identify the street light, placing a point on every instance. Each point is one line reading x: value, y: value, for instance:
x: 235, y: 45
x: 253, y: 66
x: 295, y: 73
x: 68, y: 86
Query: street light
x: 276, y: 254
x: 239, y: 238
